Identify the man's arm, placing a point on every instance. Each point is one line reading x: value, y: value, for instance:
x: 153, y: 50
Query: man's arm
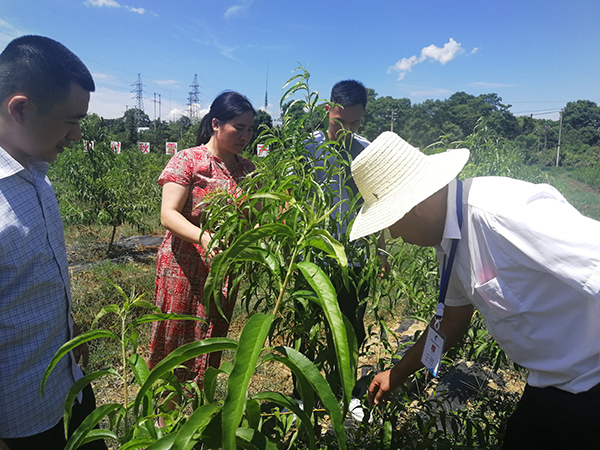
x: 454, y: 324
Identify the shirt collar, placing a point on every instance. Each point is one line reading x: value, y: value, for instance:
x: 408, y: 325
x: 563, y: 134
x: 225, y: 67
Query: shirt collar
x: 451, y: 228
x: 10, y: 166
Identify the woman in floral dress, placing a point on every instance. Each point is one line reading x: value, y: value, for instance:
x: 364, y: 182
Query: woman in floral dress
x: 183, y: 259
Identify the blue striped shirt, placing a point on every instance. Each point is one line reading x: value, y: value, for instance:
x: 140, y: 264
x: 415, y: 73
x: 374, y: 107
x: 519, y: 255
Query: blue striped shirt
x: 35, y: 302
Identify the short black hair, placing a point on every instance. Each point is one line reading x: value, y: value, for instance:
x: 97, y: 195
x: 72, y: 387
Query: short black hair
x: 43, y: 69
x: 349, y: 93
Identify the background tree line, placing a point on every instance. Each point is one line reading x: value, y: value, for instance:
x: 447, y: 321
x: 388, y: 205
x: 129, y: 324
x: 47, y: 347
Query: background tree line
x: 421, y: 124
x: 131, y: 129
x: 455, y: 118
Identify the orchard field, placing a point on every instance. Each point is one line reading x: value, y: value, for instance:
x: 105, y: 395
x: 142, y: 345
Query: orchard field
x: 285, y: 297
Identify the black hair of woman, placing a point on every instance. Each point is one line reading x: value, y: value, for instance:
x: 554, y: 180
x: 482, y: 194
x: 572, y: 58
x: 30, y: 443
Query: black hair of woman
x: 226, y: 106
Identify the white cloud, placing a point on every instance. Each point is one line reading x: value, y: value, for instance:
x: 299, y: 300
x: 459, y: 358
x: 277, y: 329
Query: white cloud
x: 102, y: 76
x: 237, y: 9
x: 109, y: 103
x: 165, y: 82
x: 176, y: 113
x: 444, y: 54
x: 272, y: 110
x: 101, y: 3
x: 114, y: 4
x: 8, y: 32
x: 135, y: 10
x: 484, y: 84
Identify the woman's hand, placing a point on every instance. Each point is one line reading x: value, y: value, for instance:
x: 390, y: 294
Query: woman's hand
x: 205, y: 242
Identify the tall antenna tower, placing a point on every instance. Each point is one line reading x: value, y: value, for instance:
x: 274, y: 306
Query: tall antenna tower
x: 267, y: 89
x: 138, y: 90
x: 194, y: 100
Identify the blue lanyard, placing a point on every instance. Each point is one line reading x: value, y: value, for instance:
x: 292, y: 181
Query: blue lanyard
x: 447, y: 265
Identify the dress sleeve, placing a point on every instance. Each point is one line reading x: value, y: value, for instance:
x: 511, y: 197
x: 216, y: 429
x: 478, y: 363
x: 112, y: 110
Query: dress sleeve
x: 179, y: 169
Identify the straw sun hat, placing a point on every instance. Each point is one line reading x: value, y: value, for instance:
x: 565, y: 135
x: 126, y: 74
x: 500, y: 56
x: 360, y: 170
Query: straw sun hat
x: 393, y: 177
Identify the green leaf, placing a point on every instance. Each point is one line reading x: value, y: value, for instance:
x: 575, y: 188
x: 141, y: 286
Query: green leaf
x: 328, y: 244
x: 285, y: 198
x: 250, y: 347
x: 70, y: 346
x: 97, y: 434
x: 303, y: 367
x: 327, y: 295
x: 88, y: 424
x: 180, y: 355
x: 323, y: 240
x: 253, y: 413
x: 141, y: 442
x: 288, y: 402
x: 221, y: 263
x: 159, y: 317
x: 164, y: 443
x: 104, y: 311
x: 139, y: 303
x: 194, y: 425
x: 139, y: 367
x: 386, y: 435
x: 210, y: 379
x: 253, y: 439
x: 78, y: 387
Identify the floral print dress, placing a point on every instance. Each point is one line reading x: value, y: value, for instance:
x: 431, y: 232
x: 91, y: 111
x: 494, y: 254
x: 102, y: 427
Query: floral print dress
x: 182, y: 268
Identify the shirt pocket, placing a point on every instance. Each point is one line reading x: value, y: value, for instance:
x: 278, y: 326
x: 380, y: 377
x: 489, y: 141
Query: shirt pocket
x: 499, y: 299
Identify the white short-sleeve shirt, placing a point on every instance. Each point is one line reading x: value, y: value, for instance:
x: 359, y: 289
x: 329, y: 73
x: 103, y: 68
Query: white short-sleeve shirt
x: 530, y: 263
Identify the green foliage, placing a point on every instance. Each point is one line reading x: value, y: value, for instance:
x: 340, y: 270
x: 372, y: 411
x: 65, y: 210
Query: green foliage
x: 98, y: 186
x: 280, y: 233
x: 129, y: 421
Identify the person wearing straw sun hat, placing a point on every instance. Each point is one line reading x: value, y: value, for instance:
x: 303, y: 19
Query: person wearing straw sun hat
x: 516, y: 251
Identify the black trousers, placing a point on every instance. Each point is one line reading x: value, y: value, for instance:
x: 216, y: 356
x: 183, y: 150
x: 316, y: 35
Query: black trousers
x: 54, y: 438
x: 550, y: 418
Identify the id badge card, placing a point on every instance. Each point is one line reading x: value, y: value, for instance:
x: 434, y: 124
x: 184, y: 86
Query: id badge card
x: 432, y: 351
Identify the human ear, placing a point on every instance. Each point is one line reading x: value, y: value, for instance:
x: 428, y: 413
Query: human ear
x: 17, y: 106
x: 215, y: 124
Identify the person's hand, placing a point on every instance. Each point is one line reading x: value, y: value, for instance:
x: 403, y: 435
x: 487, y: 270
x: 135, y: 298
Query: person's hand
x: 82, y: 352
x: 383, y: 384
x: 385, y: 265
x: 209, y: 252
x: 380, y: 388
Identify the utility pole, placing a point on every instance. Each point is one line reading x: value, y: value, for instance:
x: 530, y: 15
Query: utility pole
x: 159, y: 105
x: 559, y: 136
x: 154, y: 101
x: 392, y: 113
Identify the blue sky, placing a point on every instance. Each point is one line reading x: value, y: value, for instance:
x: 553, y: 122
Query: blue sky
x: 536, y: 55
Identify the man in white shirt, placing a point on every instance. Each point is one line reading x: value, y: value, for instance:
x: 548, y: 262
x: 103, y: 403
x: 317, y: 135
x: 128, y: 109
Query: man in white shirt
x: 523, y: 256
x: 44, y: 92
